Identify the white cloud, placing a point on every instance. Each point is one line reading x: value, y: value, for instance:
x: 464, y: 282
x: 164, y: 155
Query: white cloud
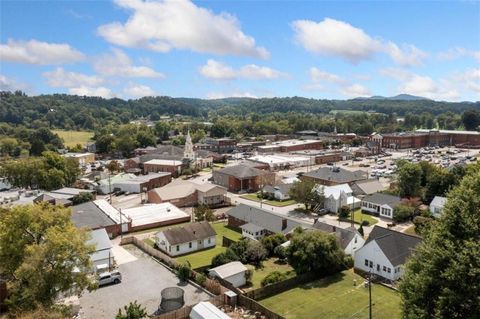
x: 92, y: 91
x: 61, y: 78
x: 220, y: 95
x: 408, y: 55
x: 471, y: 79
x: 179, y: 24
x: 422, y: 85
x: 338, y: 38
x: 217, y: 71
x: 317, y: 75
x: 137, y: 90
x: 37, y: 52
x: 355, y: 90
x: 9, y: 84
x: 118, y: 63
x: 458, y: 52
x: 221, y: 71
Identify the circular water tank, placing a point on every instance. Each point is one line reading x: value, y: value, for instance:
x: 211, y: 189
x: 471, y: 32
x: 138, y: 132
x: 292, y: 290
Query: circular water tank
x: 172, y: 299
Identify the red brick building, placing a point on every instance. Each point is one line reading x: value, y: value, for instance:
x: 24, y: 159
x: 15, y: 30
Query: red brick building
x: 240, y: 178
x: 159, y: 165
x: 426, y: 137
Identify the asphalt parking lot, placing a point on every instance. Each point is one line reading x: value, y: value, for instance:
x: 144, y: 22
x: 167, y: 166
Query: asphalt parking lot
x: 143, y: 280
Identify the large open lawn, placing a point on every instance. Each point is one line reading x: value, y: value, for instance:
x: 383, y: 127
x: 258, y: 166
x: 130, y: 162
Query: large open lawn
x: 72, y: 138
x: 358, y: 217
x: 253, y: 197
x: 269, y: 266
x: 335, y: 297
x: 204, y: 257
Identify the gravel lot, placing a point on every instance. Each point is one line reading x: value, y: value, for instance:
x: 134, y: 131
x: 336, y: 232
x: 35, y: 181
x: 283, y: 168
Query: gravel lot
x: 143, y: 280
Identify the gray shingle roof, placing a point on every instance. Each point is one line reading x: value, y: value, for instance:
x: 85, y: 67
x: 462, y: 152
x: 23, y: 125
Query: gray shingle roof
x: 282, y: 188
x: 337, y: 174
x: 241, y: 171
x: 263, y: 218
x: 396, y: 246
x: 382, y: 199
x: 188, y: 233
x: 90, y: 216
x: 367, y: 187
x: 344, y: 236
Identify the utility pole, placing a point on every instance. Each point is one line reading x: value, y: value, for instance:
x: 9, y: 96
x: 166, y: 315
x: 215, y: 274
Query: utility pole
x: 370, y: 294
x: 109, y: 188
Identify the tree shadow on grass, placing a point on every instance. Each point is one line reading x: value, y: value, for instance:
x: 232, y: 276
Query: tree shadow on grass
x: 323, y: 282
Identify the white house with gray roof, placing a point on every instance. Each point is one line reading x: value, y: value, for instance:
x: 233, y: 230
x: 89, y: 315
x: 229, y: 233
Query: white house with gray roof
x: 380, y: 204
x: 186, y: 239
x: 385, y: 252
x: 349, y: 238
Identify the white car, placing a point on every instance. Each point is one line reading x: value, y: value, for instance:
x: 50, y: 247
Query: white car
x: 106, y: 278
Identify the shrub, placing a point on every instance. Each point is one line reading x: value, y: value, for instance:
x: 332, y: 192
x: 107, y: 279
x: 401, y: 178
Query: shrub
x: 403, y: 213
x: 280, y: 252
x: 200, y: 279
x: 344, y: 211
x: 365, y: 223
x: 273, y: 241
x: 422, y: 224
x: 249, y: 275
x: 224, y: 258
x: 348, y: 262
x: 184, y: 271
x: 273, y: 277
x: 255, y: 253
x: 360, y: 230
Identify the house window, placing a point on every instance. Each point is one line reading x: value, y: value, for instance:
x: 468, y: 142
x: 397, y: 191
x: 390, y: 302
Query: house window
x: 384, y: 268
x: 199, y: 242
x: 366, y: 262
x: 378, y: 267
x: 256, y: 233
x: 209, y: 240
x: 371, y: 264
x: 170, y: 249
x: 190, y: 245
x: 355, y: 239
x: 178, y: 247
x: 389, y: 270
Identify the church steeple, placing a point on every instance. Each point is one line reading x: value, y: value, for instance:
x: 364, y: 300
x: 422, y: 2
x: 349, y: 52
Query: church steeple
x: 188, y: 150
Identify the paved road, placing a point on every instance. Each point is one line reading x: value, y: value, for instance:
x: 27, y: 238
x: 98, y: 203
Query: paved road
x: 143, y: 280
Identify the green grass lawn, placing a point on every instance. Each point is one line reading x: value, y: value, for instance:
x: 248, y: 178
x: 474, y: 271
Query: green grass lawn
x: 72, y: 138
x: 335, y: 297
x: 359, y: 216
x: 277, y: 203
x: 269, y: 266
x: 204, y: 257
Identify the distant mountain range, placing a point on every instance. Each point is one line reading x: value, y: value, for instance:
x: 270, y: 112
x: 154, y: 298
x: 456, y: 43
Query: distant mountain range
x: 399, y: 97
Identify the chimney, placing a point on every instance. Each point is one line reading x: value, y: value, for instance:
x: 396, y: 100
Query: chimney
x: 284, y: 224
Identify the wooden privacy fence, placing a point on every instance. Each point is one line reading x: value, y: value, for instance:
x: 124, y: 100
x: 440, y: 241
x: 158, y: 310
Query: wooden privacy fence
x: 251, y: 304
x: 281, y: 286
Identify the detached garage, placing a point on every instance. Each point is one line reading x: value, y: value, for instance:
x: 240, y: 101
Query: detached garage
x: 234, y: 272
x: 205, y: 310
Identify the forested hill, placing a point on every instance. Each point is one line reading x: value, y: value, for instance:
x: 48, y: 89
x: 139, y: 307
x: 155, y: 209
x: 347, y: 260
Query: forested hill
x: 80, y: 112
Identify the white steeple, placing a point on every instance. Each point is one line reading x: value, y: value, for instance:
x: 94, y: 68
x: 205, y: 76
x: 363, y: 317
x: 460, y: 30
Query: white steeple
x: 188, y: 150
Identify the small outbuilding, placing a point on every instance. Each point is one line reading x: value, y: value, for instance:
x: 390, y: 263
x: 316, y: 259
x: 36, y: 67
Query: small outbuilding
x: 206, y: 310
x: 234, y: 272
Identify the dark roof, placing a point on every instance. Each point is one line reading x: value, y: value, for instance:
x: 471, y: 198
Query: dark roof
x: 282, y: 188
x: 241, y: 171
x: 90, y: 216
x: 188, y: 233
x: 344, y: 236
x: 337, y: 174
x: 263, y: 218
x: 382, y: 199
x: 396, y: 246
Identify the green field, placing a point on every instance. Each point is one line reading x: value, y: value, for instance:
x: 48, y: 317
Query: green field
x: 72, y: 138
x: 335, y: 297
x: 253, y: 197
x: 269, y: 266
x: 358, y: 217
x: 204, y: 257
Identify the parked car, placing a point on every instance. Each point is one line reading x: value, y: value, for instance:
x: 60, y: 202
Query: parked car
x: 106, y: 278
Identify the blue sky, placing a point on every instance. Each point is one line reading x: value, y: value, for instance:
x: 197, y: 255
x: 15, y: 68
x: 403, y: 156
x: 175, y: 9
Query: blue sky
x: 214, y: 49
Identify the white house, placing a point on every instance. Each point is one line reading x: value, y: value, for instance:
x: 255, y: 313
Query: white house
x: 437, y: 205
x: 338, y: 196
x: 279, y: 192
x: 234, y: 272
x: 380, y: 204
x: 349, y: 238
x: 102, y: 257
x: 186, y: 239
x: 253, y: 231
x: 385, y: 252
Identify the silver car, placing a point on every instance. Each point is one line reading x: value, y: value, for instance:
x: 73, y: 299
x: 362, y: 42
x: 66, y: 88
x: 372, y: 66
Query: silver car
x: 106, y: 278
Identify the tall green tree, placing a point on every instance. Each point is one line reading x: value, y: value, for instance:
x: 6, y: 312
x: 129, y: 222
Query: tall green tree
x: 315, y: 251
x: 409, y: 180
x: 442, y: 278
x: 42, y: 255
x: 471, y: 119
x: 305, y: 192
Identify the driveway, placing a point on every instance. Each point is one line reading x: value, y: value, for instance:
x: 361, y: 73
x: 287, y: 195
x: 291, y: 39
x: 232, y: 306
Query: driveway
x: 143, y: 280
